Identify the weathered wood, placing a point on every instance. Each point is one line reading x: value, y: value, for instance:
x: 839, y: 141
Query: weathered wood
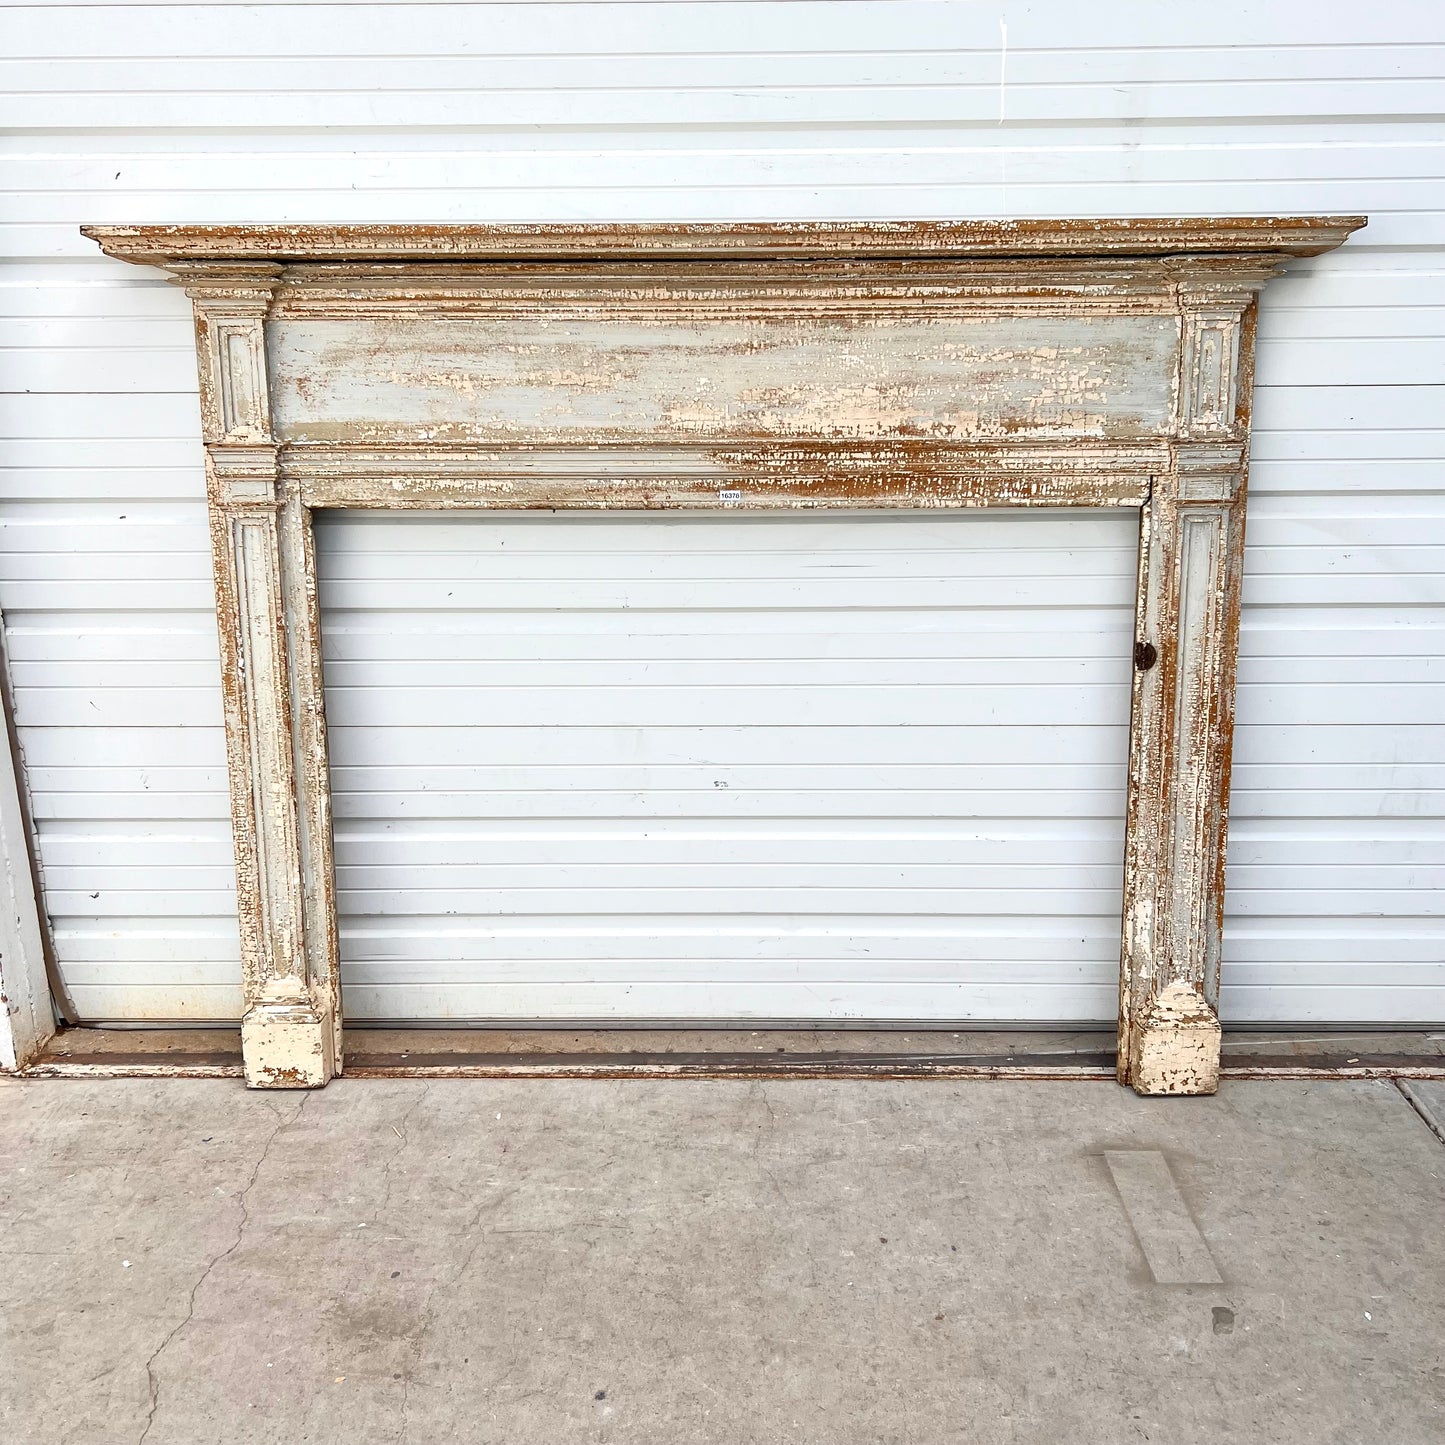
x: 612, y: 380
x: 600, y: 241
x: 786, y: 476
x: 666, y: 288
x: 879, y: 365
x: 1190, y: 566
x: 270, y: 664
x: 27, y: 1020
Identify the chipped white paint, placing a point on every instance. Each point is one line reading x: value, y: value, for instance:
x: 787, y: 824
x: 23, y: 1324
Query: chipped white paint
x: 653, y: 380
x: 1177, y: 1043
x: 406, y: 407
x: 275, y: 740
x: 285, y: 1044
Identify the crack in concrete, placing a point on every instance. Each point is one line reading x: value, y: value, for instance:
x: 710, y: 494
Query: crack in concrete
x: 152, y: 1379
x: 428, y: 1316
x: 383, y: 1212
x: 761, y: 1090
x: 401, y: 1148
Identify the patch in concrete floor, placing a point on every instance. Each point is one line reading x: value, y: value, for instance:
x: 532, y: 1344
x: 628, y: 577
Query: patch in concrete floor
x: 1166, y: 1231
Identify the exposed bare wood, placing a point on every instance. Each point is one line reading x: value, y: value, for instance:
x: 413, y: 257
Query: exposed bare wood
x: 667, y: 288
x: 1190, y: 567
x: 649, y: 379
x: 799, y: 240
x: 276, y: 742
x: 621, y: 489
x: 877, y: 365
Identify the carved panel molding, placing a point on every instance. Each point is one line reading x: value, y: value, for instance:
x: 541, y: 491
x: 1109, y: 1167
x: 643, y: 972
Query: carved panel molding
x: 815, y: 365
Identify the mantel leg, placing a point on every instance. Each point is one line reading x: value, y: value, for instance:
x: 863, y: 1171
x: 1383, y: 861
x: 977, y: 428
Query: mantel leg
x: 289, y: 1033
x: 1188, y: 622
x: 271, y: 683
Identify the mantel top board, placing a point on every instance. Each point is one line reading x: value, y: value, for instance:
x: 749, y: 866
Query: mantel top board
x: 1281, y: 236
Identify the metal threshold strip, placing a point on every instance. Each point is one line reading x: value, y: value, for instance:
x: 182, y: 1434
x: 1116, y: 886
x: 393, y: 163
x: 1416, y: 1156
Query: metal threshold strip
x: 594, y: 1053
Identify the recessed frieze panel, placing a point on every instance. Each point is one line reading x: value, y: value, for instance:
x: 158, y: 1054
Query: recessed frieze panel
x: 613, y: 380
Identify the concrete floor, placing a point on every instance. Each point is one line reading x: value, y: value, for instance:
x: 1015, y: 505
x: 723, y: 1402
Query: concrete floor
x: 566, y: 1261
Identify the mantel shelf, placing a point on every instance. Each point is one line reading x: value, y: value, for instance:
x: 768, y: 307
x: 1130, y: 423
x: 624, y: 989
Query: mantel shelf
x: 705, y: 241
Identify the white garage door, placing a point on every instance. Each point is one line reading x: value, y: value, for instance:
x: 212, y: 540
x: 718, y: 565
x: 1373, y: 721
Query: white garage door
x: 816, y: 767
x: 390, y: 112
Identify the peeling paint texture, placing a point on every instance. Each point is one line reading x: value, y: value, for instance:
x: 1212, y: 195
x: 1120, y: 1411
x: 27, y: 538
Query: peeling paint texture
x: 1178, y: 1043
x: 858, y: 365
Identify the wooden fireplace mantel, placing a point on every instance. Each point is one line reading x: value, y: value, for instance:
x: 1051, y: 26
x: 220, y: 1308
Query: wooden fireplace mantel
x: 740, y: 366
